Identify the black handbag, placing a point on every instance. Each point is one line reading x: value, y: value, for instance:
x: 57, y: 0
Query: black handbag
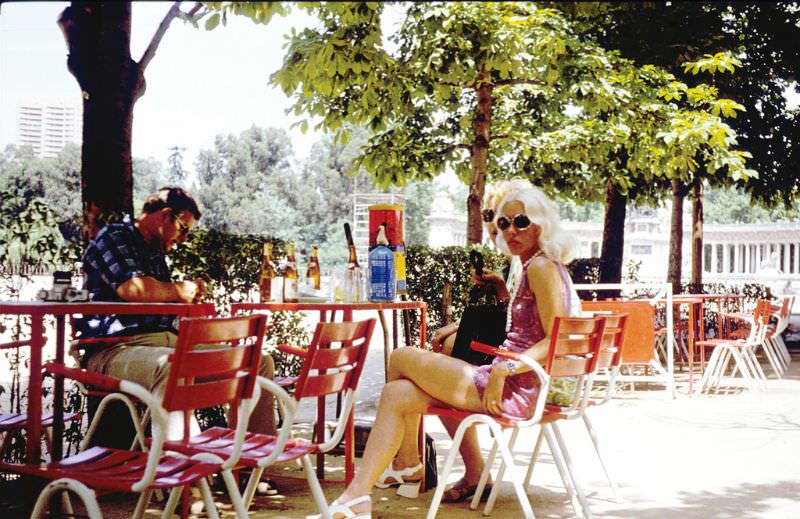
x: 484, y: 323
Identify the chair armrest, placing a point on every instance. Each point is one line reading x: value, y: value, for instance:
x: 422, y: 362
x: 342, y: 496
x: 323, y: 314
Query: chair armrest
x: 491, y: 350
x: 293, y: 350
x: 15, y: 344
x: 85, y: 341
x: 741, y: 316
x: 103, y: 382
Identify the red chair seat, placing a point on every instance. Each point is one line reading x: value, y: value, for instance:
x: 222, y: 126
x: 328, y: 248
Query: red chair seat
x: 13, y: 421
x: 220, y: 440
x: 459, y: 414
x: 117, y: 470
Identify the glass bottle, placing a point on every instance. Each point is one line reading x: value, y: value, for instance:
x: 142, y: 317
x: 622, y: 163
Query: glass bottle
x: 267, y: 275
x: 290, y: 276
x: 313, y: 272
x: 352, y: 274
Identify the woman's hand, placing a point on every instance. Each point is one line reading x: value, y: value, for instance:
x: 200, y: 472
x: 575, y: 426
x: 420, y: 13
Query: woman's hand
x: 493, y: 395
x: 437, y: 341
x: 487, y: 277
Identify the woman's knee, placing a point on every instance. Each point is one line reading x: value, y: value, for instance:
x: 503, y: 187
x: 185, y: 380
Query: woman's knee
x: 397, y: 394
x: 402, y: 360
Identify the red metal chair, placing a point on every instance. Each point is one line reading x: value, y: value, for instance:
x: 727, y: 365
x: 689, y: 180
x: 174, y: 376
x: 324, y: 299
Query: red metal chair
x: 215, y: 363
x: 332, y: 365
x: 609, y: 359
x: 13, y: 423
x: 574, y: 346
x: 741, y: 351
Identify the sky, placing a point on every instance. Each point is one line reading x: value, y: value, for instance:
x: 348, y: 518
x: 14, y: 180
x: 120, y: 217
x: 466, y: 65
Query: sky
x: 199, y: 84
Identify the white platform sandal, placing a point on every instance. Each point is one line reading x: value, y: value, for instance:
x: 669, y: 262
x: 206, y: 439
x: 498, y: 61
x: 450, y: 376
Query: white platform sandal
x: 346, y: 509
x: 392, y: 477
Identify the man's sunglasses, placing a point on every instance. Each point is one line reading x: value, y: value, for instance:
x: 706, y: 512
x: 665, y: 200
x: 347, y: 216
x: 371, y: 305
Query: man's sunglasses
x: 519, y: 221
x: 487, y: 215
x: 183, y: 229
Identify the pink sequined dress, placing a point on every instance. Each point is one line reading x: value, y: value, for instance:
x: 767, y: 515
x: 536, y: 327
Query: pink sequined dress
x: 520, y: 391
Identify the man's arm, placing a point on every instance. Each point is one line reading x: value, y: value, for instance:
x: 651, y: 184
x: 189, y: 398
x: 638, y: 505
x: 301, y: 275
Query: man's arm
x: 146, y: 289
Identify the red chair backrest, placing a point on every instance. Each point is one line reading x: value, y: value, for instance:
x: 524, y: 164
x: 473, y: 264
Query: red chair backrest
x: 574, y: 346
x: 215, y: 362
x: 335, y: 358
x: 611, y: 344
x: 639, y: 337
x: 762, y: 312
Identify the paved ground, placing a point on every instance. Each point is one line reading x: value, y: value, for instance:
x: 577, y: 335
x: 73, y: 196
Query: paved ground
x: 733, y: 455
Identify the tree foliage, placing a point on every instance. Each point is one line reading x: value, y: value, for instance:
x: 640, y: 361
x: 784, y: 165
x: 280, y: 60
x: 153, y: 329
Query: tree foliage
x: 763, y: 35
x: 501, y: 89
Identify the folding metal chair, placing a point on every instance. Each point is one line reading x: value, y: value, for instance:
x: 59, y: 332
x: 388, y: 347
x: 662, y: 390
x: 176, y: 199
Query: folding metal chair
x: 13, y: 423
x: 741, y: 351
x: 332, y: 365
x: 215, y: 363
x: 574, y: 346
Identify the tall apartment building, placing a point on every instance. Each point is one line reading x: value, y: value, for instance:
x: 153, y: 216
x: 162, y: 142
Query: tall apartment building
x: 47, y: 127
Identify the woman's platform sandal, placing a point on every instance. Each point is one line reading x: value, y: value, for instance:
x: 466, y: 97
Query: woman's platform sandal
x: 392, y: 477
x: 346, y: 509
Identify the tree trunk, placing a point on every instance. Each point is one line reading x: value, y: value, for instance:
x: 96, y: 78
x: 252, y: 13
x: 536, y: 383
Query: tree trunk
x: 613, y: 238
x: 676, y: 237
x: 98, y: 40
x: 697, y: 239
x: 479, y: 156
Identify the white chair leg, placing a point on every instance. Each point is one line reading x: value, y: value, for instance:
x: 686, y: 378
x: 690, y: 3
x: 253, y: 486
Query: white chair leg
x: 711, y: 368
x: 86, y: 495
x: 596, y: 442
x: 233, y: 492
x: 508, y: 461
x: 534, y: 457
x: 316, y: 489
x: 484, y: 479
x: 566, y: 476
x: 500, y: 470
x: 252, y: 485
x: 571, y: 469
x: 448, y: 465
x: 169, y: 506
x: 208, y: 499
x: 742, y: 368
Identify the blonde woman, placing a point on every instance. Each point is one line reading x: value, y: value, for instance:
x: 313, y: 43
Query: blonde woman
x: 418, y: 379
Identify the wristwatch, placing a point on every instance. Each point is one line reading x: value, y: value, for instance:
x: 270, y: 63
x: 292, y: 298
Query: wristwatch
x: 511, y: 366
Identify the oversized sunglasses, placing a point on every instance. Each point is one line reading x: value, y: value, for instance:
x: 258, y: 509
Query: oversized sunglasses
x: 487, y: 215
x: 520, y: 221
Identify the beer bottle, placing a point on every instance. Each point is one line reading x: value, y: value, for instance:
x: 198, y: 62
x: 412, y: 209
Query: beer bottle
x: 313, y: 272
x: 352, y: 275
x: 290, y: 276
x: 267, y: 275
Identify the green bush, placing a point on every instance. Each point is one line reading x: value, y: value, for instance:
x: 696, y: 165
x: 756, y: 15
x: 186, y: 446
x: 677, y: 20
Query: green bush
x: 230, y: 265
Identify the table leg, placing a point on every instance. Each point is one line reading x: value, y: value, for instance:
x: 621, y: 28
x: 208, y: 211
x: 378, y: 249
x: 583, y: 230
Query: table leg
x: 320, y: 425
x: 423, y: 326
x: 320, y: 436
x: 386, y: 346
x: 35, y: 389
x: 690, y: 345
x: 58, y: 395
x: 349, y: 431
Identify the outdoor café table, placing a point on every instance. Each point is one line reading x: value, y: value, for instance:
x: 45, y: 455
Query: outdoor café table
x: 37, y: 310
x: 722, y: 301
x: 694, y: 316
x: 347, y: 310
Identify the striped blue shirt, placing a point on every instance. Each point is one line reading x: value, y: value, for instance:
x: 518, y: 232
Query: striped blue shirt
x: 119, y: 253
